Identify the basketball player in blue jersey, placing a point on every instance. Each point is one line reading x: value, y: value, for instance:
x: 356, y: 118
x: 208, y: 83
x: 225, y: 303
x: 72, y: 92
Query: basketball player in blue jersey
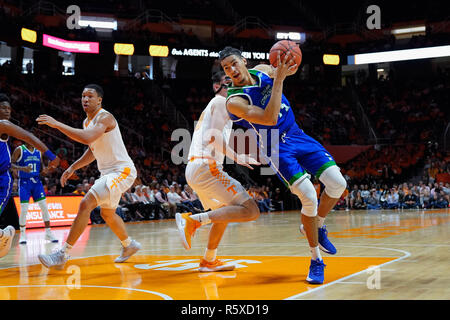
x: 8, y: 129
x: 256, y: 101
x: 28, y: 161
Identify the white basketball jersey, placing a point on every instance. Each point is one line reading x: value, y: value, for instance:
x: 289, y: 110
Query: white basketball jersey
x: 109, y: 150
x: 200, y: 146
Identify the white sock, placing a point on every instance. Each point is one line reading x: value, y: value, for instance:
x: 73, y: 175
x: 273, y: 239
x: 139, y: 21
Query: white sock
x: 47, y: 230
x: 315, y: 253
x: 203, y: 218
x: 210, y: 255
x: 126, y: 242
x: 22, y: 229
x: 320, y: 221
x: 66, y: 248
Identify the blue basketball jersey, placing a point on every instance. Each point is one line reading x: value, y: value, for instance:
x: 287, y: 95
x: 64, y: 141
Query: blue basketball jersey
x: 295, y: 153
x: 259, y: 95
x: 27, y: 158
x: 5, y: 156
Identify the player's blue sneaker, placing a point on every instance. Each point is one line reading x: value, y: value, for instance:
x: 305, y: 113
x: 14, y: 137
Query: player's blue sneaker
x: 316, y: 272
x: 324, y: 243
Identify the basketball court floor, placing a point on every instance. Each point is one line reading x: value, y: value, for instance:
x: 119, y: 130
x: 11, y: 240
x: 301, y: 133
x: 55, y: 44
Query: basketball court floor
x: 382, y: 255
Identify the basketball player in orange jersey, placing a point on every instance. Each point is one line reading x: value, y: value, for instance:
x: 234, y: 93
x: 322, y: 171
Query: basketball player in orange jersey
x: 101, y: 133
x: 216, y: 189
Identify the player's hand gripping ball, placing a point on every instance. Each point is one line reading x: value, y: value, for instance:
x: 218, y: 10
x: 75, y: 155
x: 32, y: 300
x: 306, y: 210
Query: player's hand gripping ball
x: 282, y: 47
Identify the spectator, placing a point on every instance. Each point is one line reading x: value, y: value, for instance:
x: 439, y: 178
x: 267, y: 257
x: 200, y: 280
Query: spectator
x: 365, y: 193
x: 372, y: 201
x: 174, y: 198
x: 52, y: 190
x: 161, y: 198
x: 191, y: 196
x: 187, y: 201
x: 143, y: 206
x: 392, y: 199
x: 353, y: 196
x: 277, y: 200
x: 411, y: 200
x: 438, y: 201
x: 383, y: 197
x: 79, y: 190
x: 260, y: 200
x: 130, y: 202
x: 359, y: 202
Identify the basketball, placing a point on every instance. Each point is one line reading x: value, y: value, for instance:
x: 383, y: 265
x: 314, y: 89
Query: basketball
x: 283, y: 47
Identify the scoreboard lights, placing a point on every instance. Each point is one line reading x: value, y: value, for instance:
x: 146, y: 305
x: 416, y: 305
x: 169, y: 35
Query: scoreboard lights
x: 28, y: 35
x: 158, y: 51
x: 125, y: 49
x: 331, y: 59
x: 399, y: 55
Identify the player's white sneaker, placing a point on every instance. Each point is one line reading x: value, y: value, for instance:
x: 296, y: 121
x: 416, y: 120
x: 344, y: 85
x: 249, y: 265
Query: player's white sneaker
x: 50, y: 237
x: 56, y: 259
x: 127, y: 252
x: 6, y: 240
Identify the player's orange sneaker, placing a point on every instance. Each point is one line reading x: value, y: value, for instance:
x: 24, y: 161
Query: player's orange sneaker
x: 186, y: 228
x: 214, y: 266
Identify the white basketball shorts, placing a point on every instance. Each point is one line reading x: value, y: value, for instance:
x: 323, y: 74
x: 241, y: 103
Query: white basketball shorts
x: 108, y: 189
x: 214, y: 187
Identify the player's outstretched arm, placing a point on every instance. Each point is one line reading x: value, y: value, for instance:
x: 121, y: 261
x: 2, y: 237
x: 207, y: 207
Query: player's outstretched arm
x: 84, y: 160
x: 84, y: 136
x: 21, y: 134
x: 216, y: 136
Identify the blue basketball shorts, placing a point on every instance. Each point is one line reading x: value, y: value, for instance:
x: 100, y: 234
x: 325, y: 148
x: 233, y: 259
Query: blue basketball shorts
x: 31, y: 187
x: 299, y: 154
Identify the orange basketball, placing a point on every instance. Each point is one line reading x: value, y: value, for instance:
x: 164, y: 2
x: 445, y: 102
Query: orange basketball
x: 283, y: 47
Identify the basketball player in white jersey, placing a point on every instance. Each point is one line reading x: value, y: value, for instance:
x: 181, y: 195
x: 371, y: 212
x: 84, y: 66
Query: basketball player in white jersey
x: 101, y: 133
x: 217, y: 191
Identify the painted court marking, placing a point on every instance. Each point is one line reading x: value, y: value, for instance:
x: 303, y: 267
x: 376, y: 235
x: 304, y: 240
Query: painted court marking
x: 406, y: 255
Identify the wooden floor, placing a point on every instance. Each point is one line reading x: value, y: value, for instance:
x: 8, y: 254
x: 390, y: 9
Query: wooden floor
x: 382, y: 255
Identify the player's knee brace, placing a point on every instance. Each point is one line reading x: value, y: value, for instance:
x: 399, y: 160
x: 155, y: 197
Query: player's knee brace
x: 334, y: 182
x: 44, y: 210
x: 304, y: 189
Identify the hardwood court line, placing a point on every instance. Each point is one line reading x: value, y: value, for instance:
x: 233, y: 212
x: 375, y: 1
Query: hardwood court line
x: 162, y: 295
x: 407, y: 254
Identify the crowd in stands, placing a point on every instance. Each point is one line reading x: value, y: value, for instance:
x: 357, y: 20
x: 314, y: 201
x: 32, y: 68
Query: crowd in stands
x: 408, y: 116
x: 402, y: 196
